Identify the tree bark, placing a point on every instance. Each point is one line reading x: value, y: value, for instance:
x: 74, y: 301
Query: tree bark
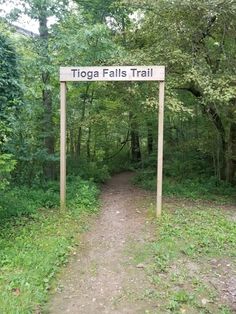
x: 79, y: 137
x: 49, y: 140
x: 88, y: 144
x: 135, y: 145
x: 231, y: 154
x: 149, y: 138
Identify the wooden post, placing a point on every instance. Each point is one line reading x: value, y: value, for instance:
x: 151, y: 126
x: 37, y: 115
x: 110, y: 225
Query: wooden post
x: 160, y: 147
x: 74, y: 74
x: 63, y: 145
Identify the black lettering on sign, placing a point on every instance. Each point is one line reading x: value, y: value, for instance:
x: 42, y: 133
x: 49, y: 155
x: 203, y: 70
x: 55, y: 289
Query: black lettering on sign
x: 116, y: 73
x: 142, y: 73
x: 90, y: 75
x: 73, y: 72
x: 124, y: 74
x: 77, y: 73
x: 112, y: 73
x: 133, y: 72
x: 105, y: 72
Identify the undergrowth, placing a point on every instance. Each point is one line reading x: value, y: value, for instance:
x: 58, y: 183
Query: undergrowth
x: 191, y: 261
x: 188, y: 239
x: 36, y: 239
x: 194, y: 232
x: 194, y: 188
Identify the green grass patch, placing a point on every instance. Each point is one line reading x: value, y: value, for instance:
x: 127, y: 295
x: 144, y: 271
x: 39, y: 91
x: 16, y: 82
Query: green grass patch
x: 36, y: 240
x: 194, y: 232
x: 194, y: 247
x: 195, y: 189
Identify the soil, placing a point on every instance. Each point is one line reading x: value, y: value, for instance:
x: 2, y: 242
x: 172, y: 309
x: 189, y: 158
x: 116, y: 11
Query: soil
x: 102, y: 277
x: 105, y: 275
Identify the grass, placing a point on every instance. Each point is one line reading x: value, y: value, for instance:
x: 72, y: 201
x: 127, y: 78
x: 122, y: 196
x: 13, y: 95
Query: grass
x: 36, y: 240
x: 191, y: 261
x: 194, y: 189
x: 195, y: 232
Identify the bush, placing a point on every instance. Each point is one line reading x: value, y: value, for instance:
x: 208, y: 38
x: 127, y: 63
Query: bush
x: 36, y: 244
x: 7, y: 164
x: 198, y: 188
x: 17, y: 201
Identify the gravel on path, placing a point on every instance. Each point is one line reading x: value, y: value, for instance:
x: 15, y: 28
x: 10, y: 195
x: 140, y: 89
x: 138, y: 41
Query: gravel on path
x: 102, y: 277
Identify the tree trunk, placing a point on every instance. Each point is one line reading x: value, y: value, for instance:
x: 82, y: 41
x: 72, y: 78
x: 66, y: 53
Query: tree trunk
x: 149, y: 138
x: 78, y: 145
x: 231, y: 154
x: 135, y: 145
x: 49, y: 140
x: 211, y: 112
x: 88, y: 144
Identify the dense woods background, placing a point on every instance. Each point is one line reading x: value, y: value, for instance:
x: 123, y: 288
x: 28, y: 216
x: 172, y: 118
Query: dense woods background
x: 113, y: 126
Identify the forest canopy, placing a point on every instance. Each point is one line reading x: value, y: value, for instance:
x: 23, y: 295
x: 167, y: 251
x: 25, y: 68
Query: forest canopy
x: 132, y: 259
x: 113, y: 126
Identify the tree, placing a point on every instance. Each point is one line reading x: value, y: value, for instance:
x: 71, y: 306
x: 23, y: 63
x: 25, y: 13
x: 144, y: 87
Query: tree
x: 196, y: 42
x: 41, y: 11
x: 10, y: 100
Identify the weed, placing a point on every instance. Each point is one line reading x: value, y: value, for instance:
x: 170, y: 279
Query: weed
x: 186, y: 239
x: 198, y: 188
x: 36, y: 240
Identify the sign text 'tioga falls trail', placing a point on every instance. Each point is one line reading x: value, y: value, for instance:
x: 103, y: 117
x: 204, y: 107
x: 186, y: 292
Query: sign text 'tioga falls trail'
x: 113, y: 73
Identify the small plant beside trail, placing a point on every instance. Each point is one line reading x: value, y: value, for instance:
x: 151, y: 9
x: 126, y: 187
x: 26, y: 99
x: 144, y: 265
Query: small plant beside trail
x: 37, y: 238
x: 191, y: 260
x: 194, y: 188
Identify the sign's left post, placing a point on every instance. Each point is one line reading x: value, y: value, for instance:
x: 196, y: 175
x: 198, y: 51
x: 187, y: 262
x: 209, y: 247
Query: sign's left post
x: 63, y: 145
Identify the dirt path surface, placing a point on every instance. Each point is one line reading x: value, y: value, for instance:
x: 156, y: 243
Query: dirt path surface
x: 104, y: 278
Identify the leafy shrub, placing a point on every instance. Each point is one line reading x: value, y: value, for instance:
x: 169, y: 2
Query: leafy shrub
x: 23, y: 200
x: 36, y: 239
x: 198, y: 188
x: 7, y: 164
x: 82, y: 195
x: 96, y: 171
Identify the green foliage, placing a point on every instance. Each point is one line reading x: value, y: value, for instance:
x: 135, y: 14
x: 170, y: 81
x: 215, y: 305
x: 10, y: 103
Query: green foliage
x: 82, y: 195
x: 7, y: 164
x: 200, y: 104
x: 10, y: 94
x: 189, y: 259
x: 194, y: 188
x: 9, y: 78
x: 120, y: 162
x: 90, y: 170
x: 193, y: 233
x: 18, y: 201
x: 198, y: 52
x: 187, y: 241
x: 34, y: 245
x: 179, y: 298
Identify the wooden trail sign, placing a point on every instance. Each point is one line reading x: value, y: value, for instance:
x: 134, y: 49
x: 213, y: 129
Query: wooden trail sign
x: 111, y: 73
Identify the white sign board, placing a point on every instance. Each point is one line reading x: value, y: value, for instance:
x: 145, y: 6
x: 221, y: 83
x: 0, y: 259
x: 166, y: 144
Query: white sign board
x: 112, y: 73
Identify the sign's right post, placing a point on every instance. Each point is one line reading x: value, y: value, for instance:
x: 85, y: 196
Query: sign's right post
x: 160, y: 147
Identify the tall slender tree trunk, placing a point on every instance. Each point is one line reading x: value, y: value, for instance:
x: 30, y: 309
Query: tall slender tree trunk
x: 88, y: 144
x: 135, y: 145
x: 149, y: 138
x: 79, y: 137
x: 49, y: 140
x: 231, y: 154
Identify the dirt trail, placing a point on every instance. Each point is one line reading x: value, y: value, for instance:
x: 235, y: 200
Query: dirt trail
x: 103, y: 278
